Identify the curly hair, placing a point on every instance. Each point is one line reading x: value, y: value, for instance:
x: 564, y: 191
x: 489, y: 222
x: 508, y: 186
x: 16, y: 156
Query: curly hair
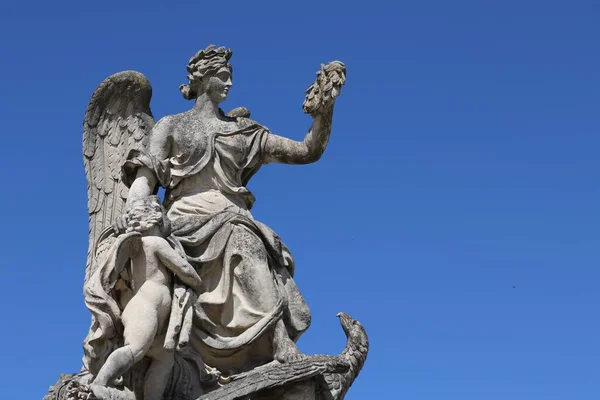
x: 205, y: 62
x: 146, y: 213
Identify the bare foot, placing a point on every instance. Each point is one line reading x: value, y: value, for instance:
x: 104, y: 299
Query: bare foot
x: 286, y: 350
x: 76, y: 391
x: 101, y: 392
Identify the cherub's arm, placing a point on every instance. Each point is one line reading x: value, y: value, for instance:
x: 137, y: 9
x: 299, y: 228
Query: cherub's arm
x: 178, y: 265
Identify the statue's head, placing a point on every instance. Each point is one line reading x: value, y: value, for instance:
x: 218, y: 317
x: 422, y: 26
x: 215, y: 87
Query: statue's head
x: 209, y: 72
x: 147, y: 213
x: 353, y: 329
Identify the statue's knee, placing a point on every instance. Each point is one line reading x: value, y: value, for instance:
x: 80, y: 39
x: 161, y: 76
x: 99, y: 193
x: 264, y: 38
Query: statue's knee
x: 247, y: 244
x: 137, y: 351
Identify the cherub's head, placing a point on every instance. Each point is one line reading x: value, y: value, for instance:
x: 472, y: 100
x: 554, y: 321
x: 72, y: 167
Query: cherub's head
x: 146, y: 213
x: 209, y: 72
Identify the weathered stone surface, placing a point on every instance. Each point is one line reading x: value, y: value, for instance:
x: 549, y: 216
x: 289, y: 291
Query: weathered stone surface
x: 193, y: 298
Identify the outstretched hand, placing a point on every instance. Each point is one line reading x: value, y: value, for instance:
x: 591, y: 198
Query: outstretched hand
x: 329, y: 101
x: 321, y: 95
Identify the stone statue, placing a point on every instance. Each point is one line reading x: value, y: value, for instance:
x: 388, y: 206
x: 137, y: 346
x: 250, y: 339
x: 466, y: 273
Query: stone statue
x: 196, y: 300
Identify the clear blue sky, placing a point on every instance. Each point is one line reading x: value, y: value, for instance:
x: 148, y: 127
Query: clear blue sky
x: 455, y: 212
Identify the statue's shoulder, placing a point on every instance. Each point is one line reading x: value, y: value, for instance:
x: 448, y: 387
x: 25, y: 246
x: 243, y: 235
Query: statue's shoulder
x: 173, y: 122
x: 241, y: 116
x: 243, y: 123
x: 154, y: 242
x: 176, y: 118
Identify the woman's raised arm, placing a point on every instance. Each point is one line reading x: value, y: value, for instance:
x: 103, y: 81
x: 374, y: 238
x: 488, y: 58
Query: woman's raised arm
x: 287, y: 151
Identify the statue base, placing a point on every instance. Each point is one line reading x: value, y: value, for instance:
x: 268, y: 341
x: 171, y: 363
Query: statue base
x: 311, y: 377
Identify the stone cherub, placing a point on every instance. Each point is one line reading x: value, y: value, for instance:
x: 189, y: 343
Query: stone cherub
x: 153, y: 262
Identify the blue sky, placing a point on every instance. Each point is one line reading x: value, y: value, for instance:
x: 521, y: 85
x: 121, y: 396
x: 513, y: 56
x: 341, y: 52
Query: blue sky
x: 455, y: 212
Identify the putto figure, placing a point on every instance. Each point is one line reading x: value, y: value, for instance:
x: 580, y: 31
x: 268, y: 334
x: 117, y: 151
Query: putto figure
x: 248, y: 312
x: 153, y: 264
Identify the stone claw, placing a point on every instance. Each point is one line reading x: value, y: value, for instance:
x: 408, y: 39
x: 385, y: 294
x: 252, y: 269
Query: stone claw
x: 211, y: 375
x: 79, y: 392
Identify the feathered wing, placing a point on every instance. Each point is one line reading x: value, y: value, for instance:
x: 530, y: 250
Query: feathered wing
x: 333, y: 374
x: 117, y: 120
x: 275, y: 374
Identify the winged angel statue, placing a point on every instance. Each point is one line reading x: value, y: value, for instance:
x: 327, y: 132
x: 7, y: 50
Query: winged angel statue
x: 190, y: 296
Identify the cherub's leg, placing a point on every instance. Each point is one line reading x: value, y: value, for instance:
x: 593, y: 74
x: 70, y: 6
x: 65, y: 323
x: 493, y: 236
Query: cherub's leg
x: 158, y: 374
x: 116, y: 365
x: 140, y: 321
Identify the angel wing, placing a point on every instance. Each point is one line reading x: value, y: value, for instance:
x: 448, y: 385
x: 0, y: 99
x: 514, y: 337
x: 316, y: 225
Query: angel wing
x: 117, y: 120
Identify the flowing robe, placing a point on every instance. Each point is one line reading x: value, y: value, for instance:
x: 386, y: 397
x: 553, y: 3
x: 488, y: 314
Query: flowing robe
x: 245, y: 268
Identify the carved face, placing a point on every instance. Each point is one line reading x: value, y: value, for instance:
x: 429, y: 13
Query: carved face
x: 217, y: 86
